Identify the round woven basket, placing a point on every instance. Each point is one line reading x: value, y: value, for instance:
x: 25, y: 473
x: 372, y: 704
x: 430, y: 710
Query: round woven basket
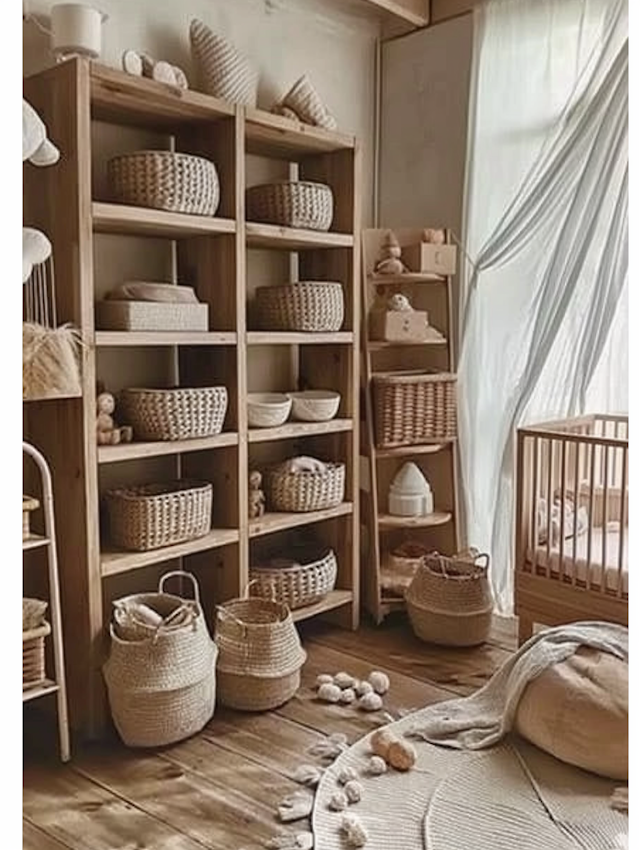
x: 299, y: 584
x: 449, y: 600
x: 224, y: 72
x: 292, y: 203
x: 174, y: 414
x: 161, y: 682
x: 299, y: 492
x: 163, y: 180
x: 155, y: 515
x: 260, y: 654
x: 308, y: 305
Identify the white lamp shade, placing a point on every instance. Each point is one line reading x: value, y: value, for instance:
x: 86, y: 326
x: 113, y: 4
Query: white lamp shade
x: 76, y: 28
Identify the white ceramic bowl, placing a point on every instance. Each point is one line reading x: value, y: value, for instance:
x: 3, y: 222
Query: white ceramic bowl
x: 315, y: 405
x: 267, y: 410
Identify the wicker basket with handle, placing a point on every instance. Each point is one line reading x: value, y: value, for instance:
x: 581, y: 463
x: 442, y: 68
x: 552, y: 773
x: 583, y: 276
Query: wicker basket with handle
x: 414, y: 407
x: 155, y: 515
x: 303, y: 491
x: 161, y: 681
x: 296, y: 584
x: 174, y: 414
x: 308, y: 305
x: 296, y: 203
x: 260, y: 654
x: 449, y: 600
x: 164, y: 180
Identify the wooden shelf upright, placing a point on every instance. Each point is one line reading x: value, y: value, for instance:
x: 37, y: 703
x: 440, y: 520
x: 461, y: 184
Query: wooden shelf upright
x: 211, y: 254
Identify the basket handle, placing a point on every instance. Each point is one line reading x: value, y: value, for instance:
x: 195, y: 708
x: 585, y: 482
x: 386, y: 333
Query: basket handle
x: 247, y: 594
x: 182, y: 574
x: 482, y: 561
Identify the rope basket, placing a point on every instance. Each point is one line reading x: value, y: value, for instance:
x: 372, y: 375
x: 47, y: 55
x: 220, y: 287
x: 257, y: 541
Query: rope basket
x: 224, y: 72
x: 292, y: 204
x: 164, y: 180
x: 449, y: 599
x: 33, y: 660
x: 155, y: 515
x: 160, y: 679
x: 299, y: 492
x: 174, y: 414
x: 296, y: 584
x: 29, y: 503
x: 414, y: 407
x: 260, y: 654
x: 308, y: 305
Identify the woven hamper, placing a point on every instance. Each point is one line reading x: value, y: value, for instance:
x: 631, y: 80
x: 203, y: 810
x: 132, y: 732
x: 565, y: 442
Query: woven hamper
x: 449, y: 600
x: 260, y: 654
x: 309, y: 305
x: 33, y: 657
x: 298, y: 492
x: 414, y: 407
x: 297, y: 585
x: 161, y: 680
x: 164, y: 180
x: 155, y: 515
x: 296, y: 203
x: 174, y: 414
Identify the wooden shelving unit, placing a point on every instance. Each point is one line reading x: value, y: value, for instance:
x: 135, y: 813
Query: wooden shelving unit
x: 438, y: 460
x: 214, y: 255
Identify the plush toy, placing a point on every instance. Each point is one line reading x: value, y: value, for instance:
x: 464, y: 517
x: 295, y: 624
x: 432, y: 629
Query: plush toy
x: 107, y: 432
x: 143, y: 65
x: 389, y: 261
x: 434, y: 235
x: 256, y: 495
x: 399, y: 303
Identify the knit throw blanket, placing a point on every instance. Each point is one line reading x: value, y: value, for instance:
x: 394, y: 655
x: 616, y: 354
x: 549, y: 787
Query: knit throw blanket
x: 483, y: 718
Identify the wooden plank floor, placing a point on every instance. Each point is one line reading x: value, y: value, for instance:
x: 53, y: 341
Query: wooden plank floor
x: 219, y: 790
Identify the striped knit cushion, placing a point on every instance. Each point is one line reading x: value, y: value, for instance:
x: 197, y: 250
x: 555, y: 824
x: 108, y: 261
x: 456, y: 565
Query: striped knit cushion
x: 224, y: 72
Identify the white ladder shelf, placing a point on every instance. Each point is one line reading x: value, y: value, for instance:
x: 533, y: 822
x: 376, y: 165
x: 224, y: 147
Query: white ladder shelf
x: 48, y: 542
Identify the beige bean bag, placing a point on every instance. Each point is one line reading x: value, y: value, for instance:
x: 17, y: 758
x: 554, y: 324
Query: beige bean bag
x: 578, y: 709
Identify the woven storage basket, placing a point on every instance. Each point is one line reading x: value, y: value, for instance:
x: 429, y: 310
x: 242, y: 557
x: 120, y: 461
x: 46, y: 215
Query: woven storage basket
x: 174, y: 414
x: 260, y: 654
x: 164, y: 180
x: 115, y: 315
x: 309, y: 305
x: 296, y: 203
x: 299, y: 492
x: 449, y: 600
x: 28, y: 504
x: 33, y: 665
x: 299, y: 584
x: 224, y: 72
x: 155, y: 515
x: 414, y: 407
x: 161, y: 681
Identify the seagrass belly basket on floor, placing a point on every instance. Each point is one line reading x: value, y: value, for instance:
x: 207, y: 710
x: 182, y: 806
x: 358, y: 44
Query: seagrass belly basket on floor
x: 260, y: 653
x: 160, y: 673
x: 449, y: 599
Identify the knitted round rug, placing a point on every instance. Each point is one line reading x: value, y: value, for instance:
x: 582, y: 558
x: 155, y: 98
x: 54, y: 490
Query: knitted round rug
x: 510, y: 795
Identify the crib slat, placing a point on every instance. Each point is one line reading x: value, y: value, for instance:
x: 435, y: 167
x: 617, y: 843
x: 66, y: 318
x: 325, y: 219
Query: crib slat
x: 563, y: 496
x: 592, y: 487
x: 623, y: 521
x: 533, y: 543
x: 576, y: 495
x: 605, y: 511
x: 550, y: 453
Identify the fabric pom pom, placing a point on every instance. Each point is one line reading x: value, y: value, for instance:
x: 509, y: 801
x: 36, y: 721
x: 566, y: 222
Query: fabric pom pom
x: 354, y: 832
x: 379, y: 682
x: 353, y: 790
x: 376, y: 766
x: 344, y: 680
x: 347, y: 774
x: 347, y: 696
x: 324, y: 679
x: 370, y: 702
x: 338, y: 802
x: 362, y: 688
x: 329, y: 693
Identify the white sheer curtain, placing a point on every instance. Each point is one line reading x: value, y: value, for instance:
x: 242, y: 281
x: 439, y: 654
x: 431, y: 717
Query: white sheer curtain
x: 544, y: 310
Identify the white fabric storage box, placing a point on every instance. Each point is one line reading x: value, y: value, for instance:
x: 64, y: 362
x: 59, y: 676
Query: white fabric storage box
x: 151, y: 316
x: 429, y: 258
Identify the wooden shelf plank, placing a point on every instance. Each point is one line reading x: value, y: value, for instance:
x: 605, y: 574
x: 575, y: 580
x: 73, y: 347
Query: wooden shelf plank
x: 334, y: 599
x: 34, y: 541
x: 380, y: 345
x: 124, y: 99
x: 52, y: 397
x: 118, y: 561
x: 283, y: 138
x: 293, y: 430
x: 46, y: 687
x: 293, y: 239
x: 121, y: 339
x: 130, y: 451
x: 412, y: 12
x: 143, y: 221
x: 408, y: 277
x: 408, y: 451
x: 301, y: 338
x: 279, y: 521
x: 436, y: 518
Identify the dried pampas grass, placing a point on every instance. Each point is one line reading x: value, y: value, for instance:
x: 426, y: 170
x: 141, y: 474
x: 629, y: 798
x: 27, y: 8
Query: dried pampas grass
x: 50, y: 361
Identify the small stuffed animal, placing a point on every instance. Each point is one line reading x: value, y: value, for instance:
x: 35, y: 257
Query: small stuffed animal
x: 434, y: 235
x: 399, y: 303
x: 390, y: 253
x: 256, y: 495
x: 107, y: 432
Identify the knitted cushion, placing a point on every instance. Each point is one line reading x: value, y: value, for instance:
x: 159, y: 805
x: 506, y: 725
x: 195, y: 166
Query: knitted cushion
x: 224, y: 72
x: 578, y: 710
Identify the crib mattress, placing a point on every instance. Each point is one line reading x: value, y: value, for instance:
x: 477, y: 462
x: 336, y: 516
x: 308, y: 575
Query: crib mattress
x: 552, y: 559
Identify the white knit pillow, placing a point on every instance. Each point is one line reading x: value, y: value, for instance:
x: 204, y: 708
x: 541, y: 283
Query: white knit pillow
x: 224, y: 71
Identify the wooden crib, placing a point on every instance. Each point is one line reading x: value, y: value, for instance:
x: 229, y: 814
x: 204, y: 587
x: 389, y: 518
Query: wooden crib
x: 572, y: 519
